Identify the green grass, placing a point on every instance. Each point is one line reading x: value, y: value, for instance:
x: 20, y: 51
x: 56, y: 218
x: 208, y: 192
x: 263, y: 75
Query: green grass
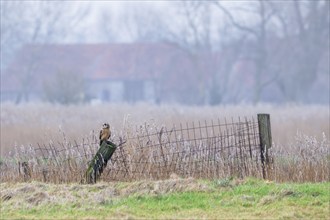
x: 252, y: 199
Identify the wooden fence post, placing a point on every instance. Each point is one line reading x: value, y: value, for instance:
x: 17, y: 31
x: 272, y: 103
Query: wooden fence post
x: 265, y: 136
x: 100, y: 160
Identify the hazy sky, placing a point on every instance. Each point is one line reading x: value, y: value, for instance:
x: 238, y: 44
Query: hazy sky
x: 115, y: 8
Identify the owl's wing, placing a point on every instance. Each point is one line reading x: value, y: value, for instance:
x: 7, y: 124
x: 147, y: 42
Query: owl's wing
x: 100, y: 135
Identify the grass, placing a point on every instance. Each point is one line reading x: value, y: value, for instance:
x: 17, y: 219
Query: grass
x: 301, y: 155
x: 30, y: 124
x: 248, y: 199
x: 298, y: 156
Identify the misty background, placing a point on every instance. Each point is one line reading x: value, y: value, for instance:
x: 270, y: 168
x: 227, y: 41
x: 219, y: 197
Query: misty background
x: 188, y: 52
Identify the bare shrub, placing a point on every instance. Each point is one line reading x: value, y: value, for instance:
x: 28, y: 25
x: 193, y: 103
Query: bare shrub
x: 64, y: 88
x: 301, y: 156
x: 306, y: 159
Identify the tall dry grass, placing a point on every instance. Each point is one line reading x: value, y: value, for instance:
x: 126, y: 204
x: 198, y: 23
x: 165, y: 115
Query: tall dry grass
x: 306, y: 159
x: 30, y: 124
x: 300, y: 136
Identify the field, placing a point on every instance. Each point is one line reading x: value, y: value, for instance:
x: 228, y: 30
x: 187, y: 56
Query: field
x: 298, y: 186
x: 41, y: 123
x: 169, y: 199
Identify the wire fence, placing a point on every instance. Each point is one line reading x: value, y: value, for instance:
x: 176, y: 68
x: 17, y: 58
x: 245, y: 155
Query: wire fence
x: 208, y: 149
x: 203, y: 150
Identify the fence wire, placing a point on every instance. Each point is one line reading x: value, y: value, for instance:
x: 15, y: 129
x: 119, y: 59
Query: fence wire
x: 212, y: 149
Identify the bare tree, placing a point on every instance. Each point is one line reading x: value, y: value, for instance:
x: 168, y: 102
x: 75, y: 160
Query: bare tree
x: 258, y: 37
x: 226, y: 86
x: 11, y: 30
x: 106, y: 26
x: 40, y: 22
x: 305, y: 30
x: 287, y: 43
x: 64, y: 88
x: 194, y: 38
x: 191, y: 28
x: 143, y: 23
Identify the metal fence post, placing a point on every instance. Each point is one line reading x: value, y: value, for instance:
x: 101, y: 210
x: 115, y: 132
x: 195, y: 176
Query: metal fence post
x: 265, y: 136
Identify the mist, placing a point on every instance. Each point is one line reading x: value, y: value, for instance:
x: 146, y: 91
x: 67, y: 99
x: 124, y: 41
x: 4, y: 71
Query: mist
x: 165, y: 52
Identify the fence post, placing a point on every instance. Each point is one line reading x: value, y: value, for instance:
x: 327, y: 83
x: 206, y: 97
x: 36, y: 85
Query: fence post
x: 265, y: 136
x: 100, y: 160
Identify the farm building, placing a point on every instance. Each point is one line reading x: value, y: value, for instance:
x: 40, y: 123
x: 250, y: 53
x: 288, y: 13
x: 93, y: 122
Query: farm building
x: 111, y: 72
x: 156, y: 72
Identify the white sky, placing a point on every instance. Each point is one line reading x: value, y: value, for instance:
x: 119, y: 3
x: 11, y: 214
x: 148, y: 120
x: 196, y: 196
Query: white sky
x: 91, y: 33
x: 115, y: 8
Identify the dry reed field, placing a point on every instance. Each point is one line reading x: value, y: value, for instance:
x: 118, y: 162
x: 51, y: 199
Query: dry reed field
x: 59, y: 141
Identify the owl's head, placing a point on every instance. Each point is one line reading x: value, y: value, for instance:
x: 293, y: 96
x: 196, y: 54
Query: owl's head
x: 106, y: 125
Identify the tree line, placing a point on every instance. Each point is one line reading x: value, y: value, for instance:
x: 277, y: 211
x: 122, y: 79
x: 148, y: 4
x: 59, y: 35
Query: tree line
x: 285, y: 43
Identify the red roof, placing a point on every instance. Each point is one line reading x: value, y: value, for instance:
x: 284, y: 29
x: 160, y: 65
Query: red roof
x: 99, y: 61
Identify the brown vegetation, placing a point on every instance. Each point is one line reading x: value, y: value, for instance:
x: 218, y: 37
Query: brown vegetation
x: 36, y: 193
x: 301, y: 156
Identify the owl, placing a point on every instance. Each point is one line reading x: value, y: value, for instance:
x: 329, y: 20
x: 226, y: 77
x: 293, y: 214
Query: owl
x: 105, y: 133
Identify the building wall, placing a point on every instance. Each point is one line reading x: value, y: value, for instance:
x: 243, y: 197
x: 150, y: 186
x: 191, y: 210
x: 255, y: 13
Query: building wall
x: 105, y: 90
x: 150, y: 91
x: 121, y: 90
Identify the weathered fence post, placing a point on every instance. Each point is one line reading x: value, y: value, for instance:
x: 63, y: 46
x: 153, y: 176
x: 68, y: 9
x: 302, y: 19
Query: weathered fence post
x: 265, y: 136
x: 100, y: 160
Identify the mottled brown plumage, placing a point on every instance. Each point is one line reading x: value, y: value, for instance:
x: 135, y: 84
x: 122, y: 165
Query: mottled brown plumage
x: 105, y: 133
